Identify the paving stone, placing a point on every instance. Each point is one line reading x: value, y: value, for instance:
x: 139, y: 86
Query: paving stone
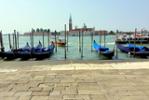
x: 5, y: 89
x: 98, y: 97
x: 39, y: 78
x: 61, y: 84
x: 37, y: 83
x: 76, y: 97
x: 18, y: 88
x: 40, y: 98
x: 43, y: 85
x: 70, y: 90
x: 23, y: 94
x: 7, y: 93
x: 21, y: 81
x: 34, y: 83
x: 40, y: 93
x: 49, y: 89
x: 55, y: 97
x: 9, y: 98
x: 89, y: 92
x: 55, y: 80
x: 60, y: 88
x: 84, y: 97
x: 24, y: 98
x: 127, y: 93
x: 36, y: 89
x: 68, y: 80
x: 133, y: 98
x: 55, y: 92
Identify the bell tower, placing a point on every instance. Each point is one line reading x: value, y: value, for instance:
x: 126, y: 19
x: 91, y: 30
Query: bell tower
x: 70, y: 23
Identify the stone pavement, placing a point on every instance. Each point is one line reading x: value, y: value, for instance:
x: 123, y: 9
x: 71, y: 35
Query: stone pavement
x: 74, y: 81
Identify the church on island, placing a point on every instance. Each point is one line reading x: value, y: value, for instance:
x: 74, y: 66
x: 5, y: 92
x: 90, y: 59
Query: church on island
x: 75, y: 31
x: 71, y: 31
x: 84, y: 29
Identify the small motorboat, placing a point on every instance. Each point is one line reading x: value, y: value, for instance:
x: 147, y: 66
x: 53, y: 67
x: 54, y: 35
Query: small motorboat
x: 103, y: 50
x: 60, y: 43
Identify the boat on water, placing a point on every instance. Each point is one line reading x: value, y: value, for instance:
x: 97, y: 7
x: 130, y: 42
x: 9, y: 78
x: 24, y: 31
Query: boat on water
x: 130, y: 40
x: 0, y: 54
x: 10, y: 54
x: 38, y: 52
x: 25, y: 52
x: 60, y: 43
x: 41, y: 52
x: 137, y: 38
x: 103, y: 50
x: 136, y: 50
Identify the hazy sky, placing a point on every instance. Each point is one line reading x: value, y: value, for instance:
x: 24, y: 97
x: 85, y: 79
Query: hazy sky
x: 23, y: 15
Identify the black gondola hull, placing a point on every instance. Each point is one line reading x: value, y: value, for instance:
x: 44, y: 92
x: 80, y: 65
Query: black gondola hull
x: 144, y: 53
x: 137, y: 42
x: 24, y: 55
x: 108, y: 54
x: 9, y: 55
x: 41, y: 55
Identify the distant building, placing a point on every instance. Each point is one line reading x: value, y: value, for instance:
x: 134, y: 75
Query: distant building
x: 101, y: 32
x: 70, y: 23
x: 74, y: 32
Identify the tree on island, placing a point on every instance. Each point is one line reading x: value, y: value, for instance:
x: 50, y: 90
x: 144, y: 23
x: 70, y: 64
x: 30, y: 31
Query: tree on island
x: 37, y: 30
x: 41, y: 29
x: 112, y: 32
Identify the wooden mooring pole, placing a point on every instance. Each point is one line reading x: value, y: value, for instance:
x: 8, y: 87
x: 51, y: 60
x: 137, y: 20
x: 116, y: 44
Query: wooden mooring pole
x: 55, y: 34
x: 43, y: 39
x: 79, y: 41
x: 100, y: 40
x: 82, y: 44
x: 15, y: 39
x: 48, y: 33
x: 9, y: 38
x: 1, y: 41
x: 104, y: 40
x: 135, y: 42
x: 116, y: 49
x: 18, y: 39
x: 92, y: 41
x: 65, y: 42
x: 32, y: 38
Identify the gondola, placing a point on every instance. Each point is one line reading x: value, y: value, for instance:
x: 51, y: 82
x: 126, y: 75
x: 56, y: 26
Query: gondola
x: 0, y: 54
x: 132, y: 41
x: 41, y: 53
x: 103, y: 50
x: 9, y: 55
x: 136, y: 50
x: 25, y: 52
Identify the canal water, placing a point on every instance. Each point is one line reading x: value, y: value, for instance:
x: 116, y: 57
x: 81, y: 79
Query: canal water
x: 73, y: 47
